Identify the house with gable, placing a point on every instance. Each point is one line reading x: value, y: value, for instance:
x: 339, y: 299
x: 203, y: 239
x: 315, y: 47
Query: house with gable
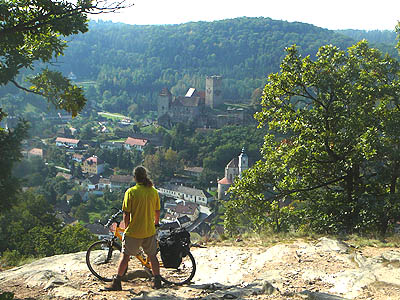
x: 133, y: 143
x: 91, y: 182
x: 93, y: 165
x: 185, y: 193
x: 121, y: 181
x: 35, y: 152
x: 193, y: 171
x: 104, y: 183
x: 189, y: 209
x: 65, y: 142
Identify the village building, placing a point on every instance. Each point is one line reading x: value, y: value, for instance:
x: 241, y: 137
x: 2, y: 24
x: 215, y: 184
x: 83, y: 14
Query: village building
x: 189, y: 209
x: 121, y: 181
x: 35, y: 152
x: 66, y: 142
x: 64, y: 175
x: 193, y: 171
x: 185, y: 193
x: 91, y: 182
x: 104, y: 183
x: 233, y: 170
x: 77, y: 157
x: 93, y: 165
x: 138, y: 144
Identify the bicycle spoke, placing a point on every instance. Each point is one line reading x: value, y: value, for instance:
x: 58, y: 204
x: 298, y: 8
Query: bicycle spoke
x: 103, y: 261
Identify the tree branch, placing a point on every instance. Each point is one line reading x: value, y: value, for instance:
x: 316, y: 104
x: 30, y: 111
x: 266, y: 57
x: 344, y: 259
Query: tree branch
x: 51, y: 16
x: 25, y: 89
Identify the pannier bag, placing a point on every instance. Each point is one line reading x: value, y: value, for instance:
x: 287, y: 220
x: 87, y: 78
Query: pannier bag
x: 173, y: 247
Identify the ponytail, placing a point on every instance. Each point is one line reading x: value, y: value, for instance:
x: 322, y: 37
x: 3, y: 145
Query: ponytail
x: 141, y: 176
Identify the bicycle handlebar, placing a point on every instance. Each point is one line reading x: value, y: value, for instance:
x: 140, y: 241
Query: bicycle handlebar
x: 112, y: 218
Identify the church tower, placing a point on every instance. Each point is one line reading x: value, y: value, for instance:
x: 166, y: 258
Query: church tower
x: 164, y: 102
x: 213, y: 91
x: 243, y: 162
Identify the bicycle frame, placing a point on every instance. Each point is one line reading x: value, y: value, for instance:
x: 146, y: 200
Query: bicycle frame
x: 145, y: 261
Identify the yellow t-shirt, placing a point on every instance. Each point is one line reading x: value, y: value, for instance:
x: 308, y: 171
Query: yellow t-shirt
x: 141, y: 202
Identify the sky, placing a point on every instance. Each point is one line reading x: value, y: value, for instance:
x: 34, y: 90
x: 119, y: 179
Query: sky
x: 333, y: 14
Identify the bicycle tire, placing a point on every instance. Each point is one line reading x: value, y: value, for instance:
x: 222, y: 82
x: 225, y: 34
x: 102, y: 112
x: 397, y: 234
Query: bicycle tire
x: 102, y: 260
x: 183, y: 274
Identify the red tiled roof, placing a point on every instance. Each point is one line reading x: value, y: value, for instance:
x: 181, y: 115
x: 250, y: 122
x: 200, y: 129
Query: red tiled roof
x: 189, y: 208
x: 65, y: 140
x: 36, y: 151
x: 94, y: 159
x: 136, y: 142
x: 224, y: 181
x: 65, y: 175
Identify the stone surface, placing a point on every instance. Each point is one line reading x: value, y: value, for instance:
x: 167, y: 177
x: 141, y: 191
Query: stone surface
x: 326, y: 270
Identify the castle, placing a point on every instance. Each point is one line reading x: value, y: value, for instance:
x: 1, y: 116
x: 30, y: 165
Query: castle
x: 197, y: 107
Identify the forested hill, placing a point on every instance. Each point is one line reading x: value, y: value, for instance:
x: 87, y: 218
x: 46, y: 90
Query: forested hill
x: 143, y: 59
x: 123, y: 67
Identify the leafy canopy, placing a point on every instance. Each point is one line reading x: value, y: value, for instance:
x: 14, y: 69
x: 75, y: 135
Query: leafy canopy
x: 332, y: 141
x: 32, y: 31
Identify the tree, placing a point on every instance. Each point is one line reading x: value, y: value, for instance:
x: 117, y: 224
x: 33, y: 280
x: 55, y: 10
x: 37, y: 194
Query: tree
x: 163, y: 164
x: 32, y: 31
x: 10, y: 151
x: 332, y: 143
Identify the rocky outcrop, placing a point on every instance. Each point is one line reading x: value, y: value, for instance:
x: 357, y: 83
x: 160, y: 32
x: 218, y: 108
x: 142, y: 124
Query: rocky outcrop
x: 327, y: 269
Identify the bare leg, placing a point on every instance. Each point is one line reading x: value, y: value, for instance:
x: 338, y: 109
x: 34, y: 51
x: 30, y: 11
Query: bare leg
x: 155, y: 266
x: 123, y: 264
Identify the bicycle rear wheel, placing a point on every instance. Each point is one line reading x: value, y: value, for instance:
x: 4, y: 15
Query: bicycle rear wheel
x: 102, y: 259
x: 183, y: 274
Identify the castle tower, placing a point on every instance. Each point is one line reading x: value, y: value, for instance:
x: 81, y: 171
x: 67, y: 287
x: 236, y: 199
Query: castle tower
x: 213, y: 91
x: 164, y: 101
x: 243, y: 162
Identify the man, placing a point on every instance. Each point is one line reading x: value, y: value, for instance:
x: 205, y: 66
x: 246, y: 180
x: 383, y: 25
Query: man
x: 141, y: 215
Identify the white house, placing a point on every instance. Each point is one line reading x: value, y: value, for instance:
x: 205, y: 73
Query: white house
x: 138, y: 144
x: 64, y: 142
x: 186, y: 193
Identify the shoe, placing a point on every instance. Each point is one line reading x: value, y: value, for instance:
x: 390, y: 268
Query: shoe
x: 157, y: 282
x: 114, y: 286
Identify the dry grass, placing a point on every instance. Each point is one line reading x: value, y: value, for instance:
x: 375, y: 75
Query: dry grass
x: 268, y: 239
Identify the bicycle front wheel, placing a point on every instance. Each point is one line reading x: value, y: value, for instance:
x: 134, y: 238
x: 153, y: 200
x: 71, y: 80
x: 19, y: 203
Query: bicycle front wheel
x: 181, y: 275
x: 102, y: 259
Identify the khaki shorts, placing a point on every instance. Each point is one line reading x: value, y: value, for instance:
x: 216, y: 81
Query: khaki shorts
x: 130, y: 245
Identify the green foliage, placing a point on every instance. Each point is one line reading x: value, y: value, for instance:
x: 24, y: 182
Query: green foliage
x: 6, y: 296
x: 32, y: 33
x: 138, y: 61
x: 10, y: 152
x: 339, y: 119
x: 163, y: 164
x: 30, y: 229
x: 73, y: 239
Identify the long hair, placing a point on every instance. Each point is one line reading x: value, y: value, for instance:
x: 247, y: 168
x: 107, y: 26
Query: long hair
x: 141, y: 176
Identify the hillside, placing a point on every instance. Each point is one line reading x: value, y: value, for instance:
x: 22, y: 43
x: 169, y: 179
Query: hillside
x: 323, y: 269
x: 120, y: 65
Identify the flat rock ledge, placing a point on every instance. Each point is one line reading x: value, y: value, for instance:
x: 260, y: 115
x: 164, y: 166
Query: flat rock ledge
x: 325, y: 270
